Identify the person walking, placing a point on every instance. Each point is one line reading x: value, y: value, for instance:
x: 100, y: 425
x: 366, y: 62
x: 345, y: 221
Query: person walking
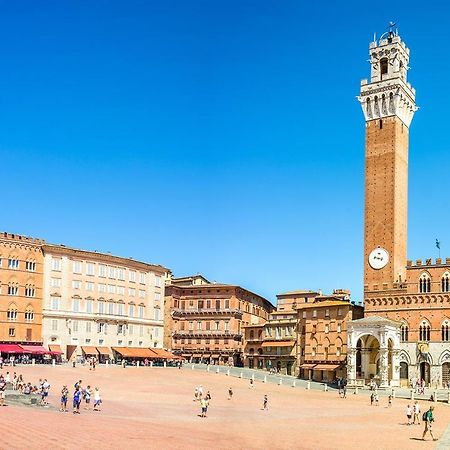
x: 203, y: 404
x: 428, y: 419
x: 372, y: 398
x: 344, y: 391
x: 409, y: 414
x: 230, y: 393
x: 265, y: 403
x: 97, y: 399
x: 389, y: 401
x: 377, y: 399
x: 416, y: 411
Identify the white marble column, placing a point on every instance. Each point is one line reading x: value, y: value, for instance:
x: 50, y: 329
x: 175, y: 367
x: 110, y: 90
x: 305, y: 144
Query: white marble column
x: 351, y: 366
x: 395, y: 382
x: 384, y: 367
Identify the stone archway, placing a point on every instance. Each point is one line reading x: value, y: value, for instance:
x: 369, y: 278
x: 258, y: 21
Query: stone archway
x: 378, y: 341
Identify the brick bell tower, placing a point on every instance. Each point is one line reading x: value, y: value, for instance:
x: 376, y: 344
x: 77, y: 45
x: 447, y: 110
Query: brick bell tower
x: 388, y: 104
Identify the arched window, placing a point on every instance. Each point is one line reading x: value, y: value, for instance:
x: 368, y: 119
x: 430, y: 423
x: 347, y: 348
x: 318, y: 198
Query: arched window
x: 384, y: 66
x: 424, y: 331
x: 369, y: 109
x: 424, y: 283
x: 445, y: 331
x: 30, y: 290
x: 12, y: 312
x: 404, y: 332
x: 29, y: 314
x: 445, y: 282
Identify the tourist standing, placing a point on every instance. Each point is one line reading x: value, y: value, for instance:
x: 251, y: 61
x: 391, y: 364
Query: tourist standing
x: 87, y: 397
x: 230, y: 393
x: 416, y: 410
x: 64, y: 398
x: 372, y: 398
x: 76, y: 400
x: 408, y: 414
x: 428, y: 419
x: 389, y: 401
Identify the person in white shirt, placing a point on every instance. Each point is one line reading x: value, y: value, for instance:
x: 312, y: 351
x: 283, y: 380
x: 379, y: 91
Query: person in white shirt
x: 409, y: 414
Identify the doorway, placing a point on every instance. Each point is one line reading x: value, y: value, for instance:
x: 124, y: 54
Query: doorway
x: 425, y: 372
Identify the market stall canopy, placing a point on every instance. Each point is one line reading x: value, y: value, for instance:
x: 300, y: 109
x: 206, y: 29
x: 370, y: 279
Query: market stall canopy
x: 329, y: 367
x: 34, y: 349
x: 87, y: 350
x: 10, y: 348
x: 55, y: 349
x: 104, y: 351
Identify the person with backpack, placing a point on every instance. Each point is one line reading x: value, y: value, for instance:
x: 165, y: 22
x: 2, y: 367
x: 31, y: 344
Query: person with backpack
x: 428, y: 420
x: 76, y: 401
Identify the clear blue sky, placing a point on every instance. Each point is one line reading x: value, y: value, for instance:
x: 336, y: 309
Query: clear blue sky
x: 220, y: 137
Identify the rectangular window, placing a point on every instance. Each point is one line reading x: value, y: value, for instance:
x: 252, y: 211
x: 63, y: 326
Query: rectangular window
x: 157, y: 281
x: 90, y: 268
x: 130, y: 329
x: 55, y: 282
x: 120, y: 309
x: 54, y: 325
x: 101, y: 327
x: 156, y: 313
x: 227, y: 325
x: 75, y: 326
x: 339, y: 312
x: 304, y: 314
x: 121, y: 274
x: 131, y: 292
x: 76, y: 284
x: 55, y: 303
x: 199, y: 325
x: 131, y: 310
x: 12, y: 332
x: 75, y: 305
x: 30, y: 266
x: 327, y: 313
x: 120, y: 290
x: 12, y: 315
x: 132, y: 276
x: 158, y: 297
x: 338, y: 327
x: 227, y: 304
x: 111, y: 289
x: 76, y: 267
x: 142, y: 277
x: 56, y: 264
x: 217, y: 325
x: 141, y: 331
x: 101, y: 307
x: 89, y: 304
x: 101, y: 287
x: 120, y: 328
x: 217, y: 304
x: 141, y: 293
x: 314, y: 313
x: 102, y: 270
x: 141, y: 312
x: 208, y: 304
x: 111, y: 308
x: 89, y: 286
x: 111, y: 272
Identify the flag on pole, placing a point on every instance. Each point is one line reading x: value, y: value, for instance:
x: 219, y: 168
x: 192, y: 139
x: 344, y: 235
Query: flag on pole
x: 438, y: 244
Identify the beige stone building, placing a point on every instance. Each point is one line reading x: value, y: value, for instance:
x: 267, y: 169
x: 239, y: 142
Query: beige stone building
x: 93, y: 302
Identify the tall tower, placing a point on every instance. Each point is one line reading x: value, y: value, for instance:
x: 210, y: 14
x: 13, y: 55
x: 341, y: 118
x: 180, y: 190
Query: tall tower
x: 388, y: 104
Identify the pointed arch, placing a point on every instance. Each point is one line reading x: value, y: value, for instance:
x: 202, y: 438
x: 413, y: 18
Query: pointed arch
x: 425, y: 282
x: 445, y: 282
x: 424, y: 330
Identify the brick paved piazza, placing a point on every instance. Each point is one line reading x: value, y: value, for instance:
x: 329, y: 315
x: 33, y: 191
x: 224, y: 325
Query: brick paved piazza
x: 154, y: 408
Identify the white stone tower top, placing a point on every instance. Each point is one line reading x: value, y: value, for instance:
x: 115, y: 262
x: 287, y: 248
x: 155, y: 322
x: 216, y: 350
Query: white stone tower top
x: 388, y: 93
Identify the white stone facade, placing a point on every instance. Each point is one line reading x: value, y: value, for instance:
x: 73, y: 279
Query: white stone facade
x: 388, y: 93
x: 100, y: 300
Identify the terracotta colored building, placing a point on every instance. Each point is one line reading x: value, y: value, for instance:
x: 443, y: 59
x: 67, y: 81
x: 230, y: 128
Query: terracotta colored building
x: 21, y: 278
x: 306, y: 336
x: 204, y: 321
x: 405, y: 334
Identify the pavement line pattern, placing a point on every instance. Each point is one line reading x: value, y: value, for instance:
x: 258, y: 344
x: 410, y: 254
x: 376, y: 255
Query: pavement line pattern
x: 444, y: 440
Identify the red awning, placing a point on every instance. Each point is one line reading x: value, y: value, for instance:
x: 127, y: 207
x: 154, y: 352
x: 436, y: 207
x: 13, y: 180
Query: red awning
x: 34, y: 349
x: 10, y: 348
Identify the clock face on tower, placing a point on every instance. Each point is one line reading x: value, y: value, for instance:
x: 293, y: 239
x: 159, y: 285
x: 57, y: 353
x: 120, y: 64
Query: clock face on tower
x: 378, y: 258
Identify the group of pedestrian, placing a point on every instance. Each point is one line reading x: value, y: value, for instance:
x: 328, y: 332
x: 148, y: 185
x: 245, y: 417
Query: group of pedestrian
x: 413, y: 414
x: 374, y: 398
x: 80, y: 393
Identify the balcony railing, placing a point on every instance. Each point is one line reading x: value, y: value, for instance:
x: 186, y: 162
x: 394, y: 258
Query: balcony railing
x: 206, y: 311
x: 207, y: 333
